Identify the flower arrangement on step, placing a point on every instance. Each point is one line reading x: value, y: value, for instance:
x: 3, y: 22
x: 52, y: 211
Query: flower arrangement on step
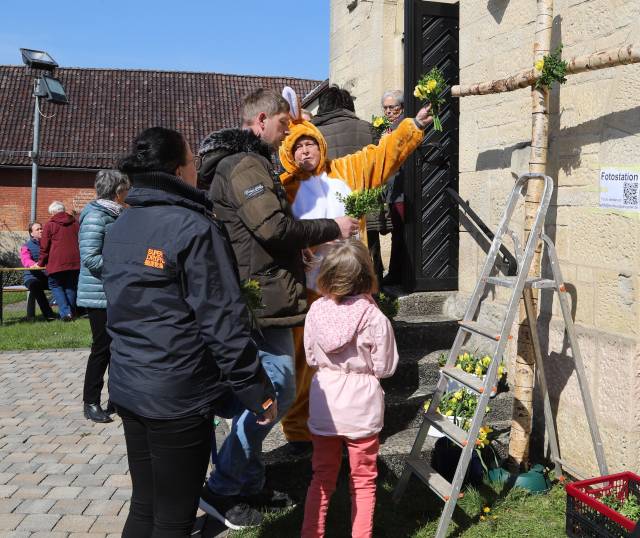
x: 460, y: 404
x: 475, y: 364
x: 429, y: 90
x: 552, y: 69
x: 381, y: 124
x: 364, y: 202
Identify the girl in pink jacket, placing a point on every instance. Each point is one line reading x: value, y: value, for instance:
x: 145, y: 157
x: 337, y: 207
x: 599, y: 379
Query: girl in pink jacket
x: 351, y: 345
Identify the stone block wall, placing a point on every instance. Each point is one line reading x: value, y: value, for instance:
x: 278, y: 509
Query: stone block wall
x: 594, y: 124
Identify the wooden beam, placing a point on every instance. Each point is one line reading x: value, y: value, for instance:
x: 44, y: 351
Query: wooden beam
x: 628, y: 54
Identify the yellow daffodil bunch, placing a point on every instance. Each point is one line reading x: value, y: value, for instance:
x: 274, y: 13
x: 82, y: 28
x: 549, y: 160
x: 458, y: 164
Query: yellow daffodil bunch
x: 539, y: 65
x: 429, y: 89
x: 381, y: 124
x: 460, y: 404
x: 483, y: 436
x: 474, y: 364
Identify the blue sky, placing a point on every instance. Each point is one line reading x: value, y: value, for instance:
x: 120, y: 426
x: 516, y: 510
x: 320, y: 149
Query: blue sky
x: 256, y: 37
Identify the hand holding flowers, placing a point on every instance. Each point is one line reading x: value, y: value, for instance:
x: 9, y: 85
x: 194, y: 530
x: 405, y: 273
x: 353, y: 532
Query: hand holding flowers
x: 429, y: 89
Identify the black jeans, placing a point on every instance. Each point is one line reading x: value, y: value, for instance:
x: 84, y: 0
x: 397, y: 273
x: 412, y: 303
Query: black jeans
x: 168, y: 461
x: 98, y: 358
x: 36, y: 293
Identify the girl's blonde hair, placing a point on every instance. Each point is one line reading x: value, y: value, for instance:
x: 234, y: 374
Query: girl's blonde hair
x: 347, y: 270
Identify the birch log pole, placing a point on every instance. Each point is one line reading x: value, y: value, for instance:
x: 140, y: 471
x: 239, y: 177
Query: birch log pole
x: 629, y: 54
x: 525, y: 359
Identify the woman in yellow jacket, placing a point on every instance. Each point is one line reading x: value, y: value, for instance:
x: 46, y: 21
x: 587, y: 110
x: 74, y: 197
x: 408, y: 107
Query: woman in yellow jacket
x: 313, y: 183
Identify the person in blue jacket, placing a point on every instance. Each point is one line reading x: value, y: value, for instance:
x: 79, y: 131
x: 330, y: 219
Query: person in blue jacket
x: 36, y: 280
x: 96, y: 217
x: 181, y: 347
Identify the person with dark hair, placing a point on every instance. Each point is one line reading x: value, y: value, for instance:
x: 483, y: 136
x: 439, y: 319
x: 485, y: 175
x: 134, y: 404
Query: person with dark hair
x: 181, y: 346
x: 268, y: 243
x: 96, y: 217
x: 60, y: 254
x: 35, y: 281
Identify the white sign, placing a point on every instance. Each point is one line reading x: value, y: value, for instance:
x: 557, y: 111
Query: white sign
x: 619, y: 188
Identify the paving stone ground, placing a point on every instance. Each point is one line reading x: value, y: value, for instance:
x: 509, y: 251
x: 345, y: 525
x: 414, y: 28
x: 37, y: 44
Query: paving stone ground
x: 60, y: 474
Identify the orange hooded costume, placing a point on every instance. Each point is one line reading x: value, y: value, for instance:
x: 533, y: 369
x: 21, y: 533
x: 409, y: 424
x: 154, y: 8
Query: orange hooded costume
x: 314, y: 195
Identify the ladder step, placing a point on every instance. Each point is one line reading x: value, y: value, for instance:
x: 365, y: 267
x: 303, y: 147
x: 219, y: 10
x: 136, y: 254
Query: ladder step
x: 471, y: 381
x: 510, y: 282
x: 431, y: 478
x: 483, y: 330
x: 453, y: 432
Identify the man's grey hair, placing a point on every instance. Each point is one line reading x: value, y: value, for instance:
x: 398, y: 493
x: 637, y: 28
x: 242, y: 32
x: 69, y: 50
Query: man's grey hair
x: 397, y: 95
x: 109, y: 183
x: 262, y: 100
x: 55, y: 207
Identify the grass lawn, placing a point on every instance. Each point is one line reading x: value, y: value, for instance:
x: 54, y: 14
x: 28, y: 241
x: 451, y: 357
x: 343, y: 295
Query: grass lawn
x: 513, y: 514
x: 16, y: 333
x: 14, y: 297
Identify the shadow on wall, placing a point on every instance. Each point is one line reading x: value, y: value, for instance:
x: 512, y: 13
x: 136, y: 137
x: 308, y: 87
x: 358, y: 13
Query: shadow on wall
x: 497, y: 8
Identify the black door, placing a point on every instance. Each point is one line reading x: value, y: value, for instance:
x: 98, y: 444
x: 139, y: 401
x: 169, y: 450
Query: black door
x: 431, y: 230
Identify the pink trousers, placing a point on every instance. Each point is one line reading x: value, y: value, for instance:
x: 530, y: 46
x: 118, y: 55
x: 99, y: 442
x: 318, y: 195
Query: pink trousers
x: 327, y: 456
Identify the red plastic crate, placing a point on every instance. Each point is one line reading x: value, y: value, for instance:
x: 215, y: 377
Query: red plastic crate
x: 588, y: 517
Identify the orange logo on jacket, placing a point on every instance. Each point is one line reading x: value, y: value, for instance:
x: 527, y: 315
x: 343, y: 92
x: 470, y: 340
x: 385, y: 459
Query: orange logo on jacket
x: 155, y: 258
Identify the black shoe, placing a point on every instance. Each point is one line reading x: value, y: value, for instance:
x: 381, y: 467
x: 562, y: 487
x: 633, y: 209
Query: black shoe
x: 299, y: 449
x: 95, y: 412
x: 229, y: 510
x: 68, y: 317
x: 268, y: 500
x: 51, y: 317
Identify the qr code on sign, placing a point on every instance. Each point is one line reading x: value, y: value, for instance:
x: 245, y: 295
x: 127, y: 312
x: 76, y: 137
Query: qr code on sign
x: 630, y: 193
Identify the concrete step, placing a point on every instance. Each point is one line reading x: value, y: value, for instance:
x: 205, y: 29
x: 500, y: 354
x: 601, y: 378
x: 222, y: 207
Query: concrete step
x: 415, y: 369
x: 426, y: 332
x: 424, y: 303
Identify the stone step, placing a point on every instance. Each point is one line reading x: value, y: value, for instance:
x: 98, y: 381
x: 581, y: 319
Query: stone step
x: 425, y: 303
x: 426, y: 332
x: 415, y: 369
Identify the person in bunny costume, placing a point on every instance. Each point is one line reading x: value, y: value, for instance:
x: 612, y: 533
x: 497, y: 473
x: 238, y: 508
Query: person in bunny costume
x: 312, y: 184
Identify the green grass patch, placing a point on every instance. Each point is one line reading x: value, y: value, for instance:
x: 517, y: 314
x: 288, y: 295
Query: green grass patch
x: 18, y: 334
x: 513, y: 514
x: 13, y: 297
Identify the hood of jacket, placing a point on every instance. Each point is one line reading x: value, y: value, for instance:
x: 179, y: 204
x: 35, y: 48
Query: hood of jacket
x: 63, y: 219
x: 95, y: 206
x: 160, y: 188
x: 334, y: 116
x: 221, y: 144
x: 340, y: 321
x: 292, y: 171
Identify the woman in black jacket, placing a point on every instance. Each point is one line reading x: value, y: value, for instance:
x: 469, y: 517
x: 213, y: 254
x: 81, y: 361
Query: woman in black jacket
x: 178, y: 326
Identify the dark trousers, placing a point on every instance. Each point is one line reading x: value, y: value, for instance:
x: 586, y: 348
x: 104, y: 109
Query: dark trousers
x: 36, y: 293
x: 98, y: 358
x: 168, y: 461
x: 373, y: 241
x: 399, y: 253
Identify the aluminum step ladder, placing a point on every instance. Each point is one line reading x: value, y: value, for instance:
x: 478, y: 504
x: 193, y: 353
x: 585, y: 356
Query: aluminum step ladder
x: 521, y: 285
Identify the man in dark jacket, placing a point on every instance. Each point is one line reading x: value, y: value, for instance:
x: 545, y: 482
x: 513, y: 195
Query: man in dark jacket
x: 345, y: 133
x: 249, y: 199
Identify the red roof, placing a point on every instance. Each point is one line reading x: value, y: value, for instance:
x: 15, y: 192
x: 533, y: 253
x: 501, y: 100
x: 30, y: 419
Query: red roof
x: 109, y: 107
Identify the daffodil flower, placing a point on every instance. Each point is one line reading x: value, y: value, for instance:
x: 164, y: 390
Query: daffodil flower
x: 539, y: 65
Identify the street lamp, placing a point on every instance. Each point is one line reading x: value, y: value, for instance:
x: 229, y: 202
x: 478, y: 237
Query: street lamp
x: 52, y: 90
